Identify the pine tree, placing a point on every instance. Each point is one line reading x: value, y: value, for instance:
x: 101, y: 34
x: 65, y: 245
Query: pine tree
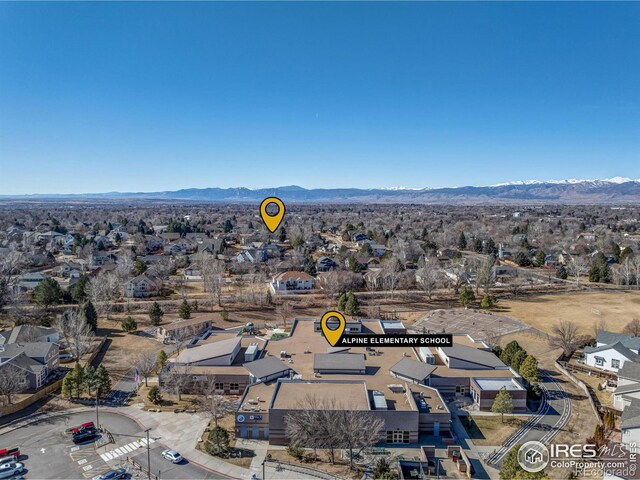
x: 91, y: 315
x: 68, y: 385
x: 89, y: 380
x: 47, y: 293
x: 466, y: 296
x: 462, y: 241
x: 503, y: 403
x: 561, y: 272
x: 529, y: 370
x: 184, y: 311
x: 162, y: 360
x: 102, y: 381
x: 352, y: 306
x: 509, y: 352
x: 517, y: 359
x: 155, y: 314
x: 77, y: 380
x: 129, y: 325
x: 79, y: 293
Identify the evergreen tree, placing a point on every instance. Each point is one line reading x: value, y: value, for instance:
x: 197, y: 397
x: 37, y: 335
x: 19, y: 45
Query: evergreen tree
x: 79, y: 293
x: 77, y: 380
x: 184, y: 311
x: 91, y: 315
x: 102, y: 381
x: 154, y: 395
x: 503, y: 403
x: 218, y: 442
x: 510, y: 351
x: 282, y: 234
x: 162, y: 360
x: 47, y: 293
x: 352, y: 306
x: 462, y: 241
x: 155, y: 314
x: 518, y: 359
x: 600, y: 271
x: 488, y: 301
x: 466, y: 296
x: 89, y: 379
x: 561, y: 272
x: 529, y: 370
x: 228, y: 226
x: 342, y: 302
x: 139, y: 268
x: 129, y: 325
x: 539, y: 259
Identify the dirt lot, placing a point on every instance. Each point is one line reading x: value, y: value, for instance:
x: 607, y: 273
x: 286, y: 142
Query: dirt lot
x: 616, y: 309
x: 340, y: 468
x: 489, y: 430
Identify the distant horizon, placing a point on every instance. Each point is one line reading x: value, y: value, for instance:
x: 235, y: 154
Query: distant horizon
x: 161, y: 96
x: 612, y: 180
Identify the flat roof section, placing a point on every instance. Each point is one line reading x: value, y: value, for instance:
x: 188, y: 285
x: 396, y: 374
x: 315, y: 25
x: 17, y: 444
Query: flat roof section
x: 342, y: 362
x: 494, y: 384
x: 339, y: 395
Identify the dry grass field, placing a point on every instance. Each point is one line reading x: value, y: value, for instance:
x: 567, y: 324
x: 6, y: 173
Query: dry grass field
x: 616, y: 309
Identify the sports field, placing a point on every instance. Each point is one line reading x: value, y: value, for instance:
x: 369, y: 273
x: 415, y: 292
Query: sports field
x: 616, y: 309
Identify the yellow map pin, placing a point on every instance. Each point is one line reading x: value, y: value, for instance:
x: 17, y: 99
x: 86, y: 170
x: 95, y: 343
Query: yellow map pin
x: 272, y: 221
x: 333, y: 335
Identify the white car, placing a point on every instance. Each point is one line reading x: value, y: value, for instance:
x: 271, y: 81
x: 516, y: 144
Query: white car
x: 8, y: 470
x: 172, y: 456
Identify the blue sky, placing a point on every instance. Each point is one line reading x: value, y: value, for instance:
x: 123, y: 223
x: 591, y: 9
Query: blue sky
x: 156, y: 96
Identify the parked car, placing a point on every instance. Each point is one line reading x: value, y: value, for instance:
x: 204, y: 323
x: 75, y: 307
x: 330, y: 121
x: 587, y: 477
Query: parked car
x: 85, y: 427
x: 8, y: 470
x: 10, y: 452
x: 172, y: 456
x: 112, y: 474
x: 84, y: 436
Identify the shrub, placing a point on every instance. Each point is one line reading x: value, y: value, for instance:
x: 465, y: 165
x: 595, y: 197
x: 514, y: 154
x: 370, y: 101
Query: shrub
x: 218, y: 442
x: 295, y: 450
x: 154, y: 395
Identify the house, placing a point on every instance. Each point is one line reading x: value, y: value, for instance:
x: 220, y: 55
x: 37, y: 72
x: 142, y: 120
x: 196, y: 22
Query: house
x: 630, y: 425
x: 359, y: 237
x: 326, y: 264
x: 193, y: 270
x: 100, y: 258
x: 37, y: 359
x: 143, y: 286
x: 612, y: 350
x: 628, y: 387
x: 30, y: 333
x: 214, y: 246
x: 179, y: 330
x: 292, y: 281
x: 28, y: 282
x: 252, y: 255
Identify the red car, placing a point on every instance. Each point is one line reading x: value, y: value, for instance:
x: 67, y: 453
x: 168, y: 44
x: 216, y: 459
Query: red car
x: 85, y: 427
x: 13, y: 452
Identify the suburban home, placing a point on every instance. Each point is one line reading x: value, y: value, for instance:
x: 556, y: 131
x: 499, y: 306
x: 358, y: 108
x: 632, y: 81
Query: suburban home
x: 28, y: 282
x: 326, y: 264
x: 29, y: 333
x: 37, y: 359
x: 100, y: 258
x: 193, y: 327
x: 143, y: 286
x: 630, y: 426
x: 628, y: 387
x: 612, y: 351
x: 252, y: 255
x: 292, y: 281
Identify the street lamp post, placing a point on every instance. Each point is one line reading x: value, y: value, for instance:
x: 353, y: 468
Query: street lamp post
x: 97, y: 414
x: 148, y: 455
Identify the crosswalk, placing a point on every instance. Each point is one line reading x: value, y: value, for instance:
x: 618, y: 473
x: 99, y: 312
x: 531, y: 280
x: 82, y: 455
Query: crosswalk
x: 126, y: 449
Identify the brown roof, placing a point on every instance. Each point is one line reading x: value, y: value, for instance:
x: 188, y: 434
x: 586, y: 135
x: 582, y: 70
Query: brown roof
x: 347, y: 395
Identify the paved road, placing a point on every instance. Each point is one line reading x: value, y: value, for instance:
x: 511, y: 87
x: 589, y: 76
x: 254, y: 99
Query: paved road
x: 49, y: 453
x: 553, y: 415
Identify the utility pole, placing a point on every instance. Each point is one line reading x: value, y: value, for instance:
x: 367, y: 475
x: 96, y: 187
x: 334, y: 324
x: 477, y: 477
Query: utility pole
x: 97, y: 414
x: 148, y: 454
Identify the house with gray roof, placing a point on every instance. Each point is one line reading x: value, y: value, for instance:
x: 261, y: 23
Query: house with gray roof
x: 612, y: 351
x: 37, y: 359
x: 630, y: 426
x: 29, y: 333
x: 628, y: 387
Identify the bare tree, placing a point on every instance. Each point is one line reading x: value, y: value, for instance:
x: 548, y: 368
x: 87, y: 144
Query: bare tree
x: 11, y: 265
x: 13, y: 380
x: 214, y: 405
x: 578, y: 266
x: 102, y: 291
x: 284, y: 310
x: 75, y: 330
x: 565, y: 335
x: 213, y: 277
x: 146, y: 365
x: 176, y: 379
x: 599, y: 325
x: 427, y: 276
x: 391, y: 273
x: 632, y: 328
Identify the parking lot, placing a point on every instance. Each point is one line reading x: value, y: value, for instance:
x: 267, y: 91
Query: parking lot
x: 49, y: 453
x: 476, y: 324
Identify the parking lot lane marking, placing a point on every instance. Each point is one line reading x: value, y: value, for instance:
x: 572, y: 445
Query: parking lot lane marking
x: 82, y: 462
x: 87, y: 468
x: 75, y: 449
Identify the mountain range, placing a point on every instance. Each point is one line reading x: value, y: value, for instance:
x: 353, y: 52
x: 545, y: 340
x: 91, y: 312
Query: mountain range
x: 616, y: 190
